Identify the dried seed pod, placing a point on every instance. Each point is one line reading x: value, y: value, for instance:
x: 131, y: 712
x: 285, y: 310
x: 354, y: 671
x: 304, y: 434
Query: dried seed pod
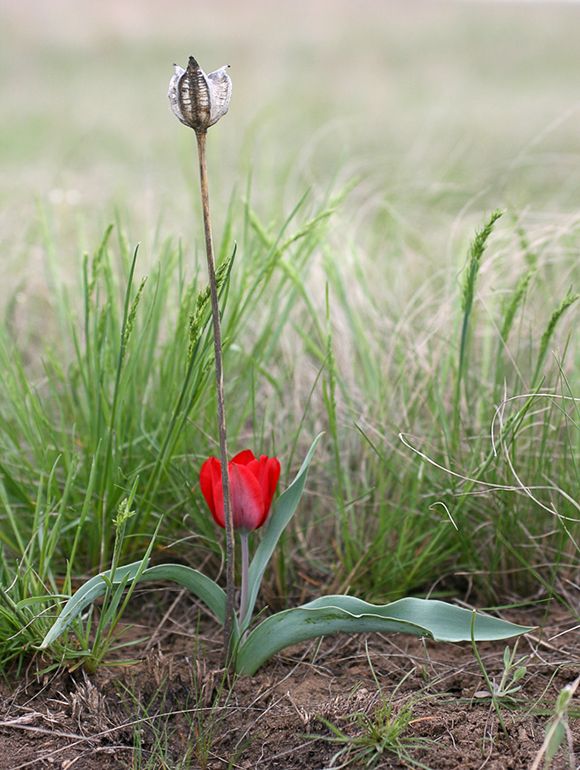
x: 197, y: 99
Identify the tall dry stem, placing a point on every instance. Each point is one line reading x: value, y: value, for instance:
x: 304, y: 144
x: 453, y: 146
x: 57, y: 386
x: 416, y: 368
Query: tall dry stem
x: 219, y: 373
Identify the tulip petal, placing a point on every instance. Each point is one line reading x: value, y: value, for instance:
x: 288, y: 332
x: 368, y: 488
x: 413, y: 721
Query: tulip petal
x: 270, y: 479
x: 244, y: 457
x: 218, y: 497
x: 267, y: 472
x: 246, y: 499
x: 210, y: 472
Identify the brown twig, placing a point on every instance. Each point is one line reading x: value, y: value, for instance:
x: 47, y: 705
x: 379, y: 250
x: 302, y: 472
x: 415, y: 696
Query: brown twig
x: 217, y: 338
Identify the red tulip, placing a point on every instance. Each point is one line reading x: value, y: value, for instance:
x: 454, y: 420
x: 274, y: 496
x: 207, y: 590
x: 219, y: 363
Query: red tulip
x: 252, y: 486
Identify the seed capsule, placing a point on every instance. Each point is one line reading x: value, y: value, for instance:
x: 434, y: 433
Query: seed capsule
x: 197, y: 99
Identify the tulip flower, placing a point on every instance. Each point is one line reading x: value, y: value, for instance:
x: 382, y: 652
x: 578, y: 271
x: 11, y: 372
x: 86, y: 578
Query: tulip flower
x: 253, y: 482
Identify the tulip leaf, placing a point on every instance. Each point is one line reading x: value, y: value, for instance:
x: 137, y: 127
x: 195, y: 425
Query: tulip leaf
x: 333, y: 614
x: 283, y: 510
x: 200, y: 585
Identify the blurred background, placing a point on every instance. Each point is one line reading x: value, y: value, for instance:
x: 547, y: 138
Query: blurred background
x: 438, y: 111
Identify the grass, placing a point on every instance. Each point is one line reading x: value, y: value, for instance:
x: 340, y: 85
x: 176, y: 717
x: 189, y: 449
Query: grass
x: 376, y: 736
x: 117, y: 418
x: 120, y: 404
x: 376, y: 733
x: 166, y: 737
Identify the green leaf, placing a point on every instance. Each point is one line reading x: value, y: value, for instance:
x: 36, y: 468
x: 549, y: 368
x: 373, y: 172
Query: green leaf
x: 556, y: 737
x: 507, y: 657
x: 563, y: 699
x: 200, y: 585
x: 282, y: 512
x: 333, y: 614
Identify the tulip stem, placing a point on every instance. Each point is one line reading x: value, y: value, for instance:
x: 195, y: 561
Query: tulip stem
x: 217, y: 338
x: 245, y: 568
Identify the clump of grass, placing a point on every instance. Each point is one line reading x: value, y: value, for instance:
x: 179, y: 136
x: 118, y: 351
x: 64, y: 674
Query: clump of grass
x: 374, y: 734
x: 375, y: 737
x: 424, y: 513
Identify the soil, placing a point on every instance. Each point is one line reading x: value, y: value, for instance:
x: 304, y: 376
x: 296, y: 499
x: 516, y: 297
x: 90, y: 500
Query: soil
x: 169, y: 708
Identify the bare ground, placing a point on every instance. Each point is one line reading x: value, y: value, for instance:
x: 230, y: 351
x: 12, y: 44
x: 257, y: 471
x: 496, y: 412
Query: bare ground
x: 169, y: 709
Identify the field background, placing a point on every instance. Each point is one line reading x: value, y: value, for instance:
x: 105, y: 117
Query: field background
x: 405, y: 125
x: 442, y: 111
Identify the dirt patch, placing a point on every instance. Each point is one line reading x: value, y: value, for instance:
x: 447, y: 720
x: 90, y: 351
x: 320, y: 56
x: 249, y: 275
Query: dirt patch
x: 398, y: 700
